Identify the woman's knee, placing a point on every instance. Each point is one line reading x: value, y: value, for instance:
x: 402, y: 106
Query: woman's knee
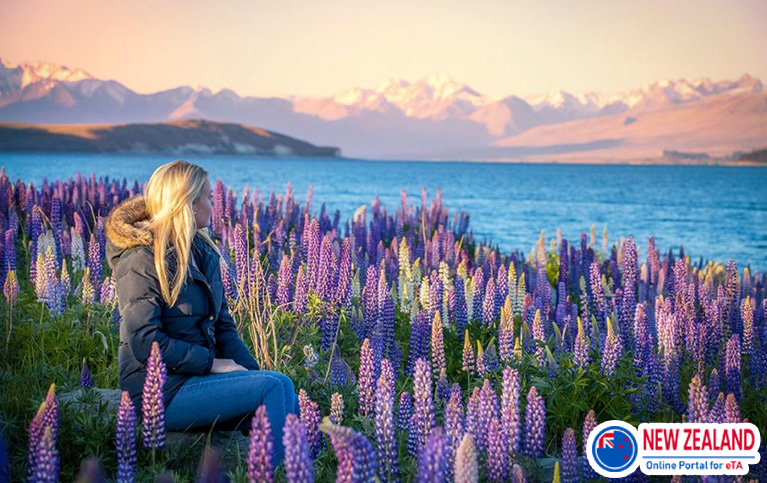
x: 284, y: 379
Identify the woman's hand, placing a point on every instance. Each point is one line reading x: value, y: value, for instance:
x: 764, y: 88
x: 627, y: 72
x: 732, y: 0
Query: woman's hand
x: 225, y: 365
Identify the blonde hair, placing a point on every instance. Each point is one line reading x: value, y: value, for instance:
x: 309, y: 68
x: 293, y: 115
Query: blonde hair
x: 169, y: 195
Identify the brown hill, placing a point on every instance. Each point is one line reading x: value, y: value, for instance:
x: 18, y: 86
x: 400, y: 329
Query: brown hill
x: 174, y: 137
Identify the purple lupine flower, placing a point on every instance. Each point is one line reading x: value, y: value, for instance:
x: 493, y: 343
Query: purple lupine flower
x: 125, y: 440
x: 628, y: 302
x: 490, y: 358
x: 731, y: 409
x: 467, y: 362
x: 732, y: 366
x: 310, y: 417
x: 716, y: 414
x: 366, y: 379
x: 697, y: 401
x: 386, y: 442
x: 433, y: 458
x: 539, y: 337
x: 36, y: 429
x: 153, y: 401
x: 423, y: 406
x: 535, y: 423
x: 46, y: 466
x: 488, y: 304
x: 343, y: 294
x: 94, y: 262
x: 356, y: 456
x: 497, y: 453
x: 260, y: 454
x: 86, y: 380
x: 570, y: 472
x: 51, y: 413
x: 437, y: 346
x: 474, y: 422
x: 488, y: 410
x: 336, y: 408
x: 597, y: 298
x: 299, y: 299
x: 510, y: 417
x: 461, y: 315
x: 405, y: 411
x: 612, y: 351
x: 284, y: 279
x: 298, y: 456
x: 479, y: 293
x: 454, y: 425
x: 466, y: 467
x: 589, y: 423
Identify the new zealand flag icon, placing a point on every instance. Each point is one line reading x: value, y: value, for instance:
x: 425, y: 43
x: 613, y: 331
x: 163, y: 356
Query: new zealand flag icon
x: 614, y: 449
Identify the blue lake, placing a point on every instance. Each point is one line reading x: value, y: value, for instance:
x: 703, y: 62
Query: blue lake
x: 713, y: 212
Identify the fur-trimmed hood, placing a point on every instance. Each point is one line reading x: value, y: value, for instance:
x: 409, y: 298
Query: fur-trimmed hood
x: 126, y: 227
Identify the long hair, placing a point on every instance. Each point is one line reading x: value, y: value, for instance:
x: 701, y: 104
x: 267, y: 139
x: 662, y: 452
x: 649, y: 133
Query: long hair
x: 169, y: 195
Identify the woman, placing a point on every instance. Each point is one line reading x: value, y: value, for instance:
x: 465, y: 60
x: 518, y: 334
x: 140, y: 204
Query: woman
x: 212, y: 379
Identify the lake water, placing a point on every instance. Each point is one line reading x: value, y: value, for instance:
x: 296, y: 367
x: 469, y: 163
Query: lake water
x: 714, y: 212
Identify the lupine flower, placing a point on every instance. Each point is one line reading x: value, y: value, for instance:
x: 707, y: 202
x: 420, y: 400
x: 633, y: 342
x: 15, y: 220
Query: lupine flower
x: 298, y: 457
x: 433, y: 458
x: 747, y: 316
x: 597, y: 298
x: 365, y: 380
x: 405, y: 411
x: 506, y: 332
x: 497, y: 453
x: 437, y: 346
x: 539, y: 337
x: 125, y: 440
x: 11, y: 288
x: 535, y: 423
x: 386, y: 442
x: 557, y: 478
x: 36, y: 429
x: 260, y: 454
x: 732, y: 366
x: 581, y: 348
x: 310, y: 417
x: 510, y: 417
x: 481, y: 367
x: 731, y: 409
x: 88, y: 294
x: 46, y: 459
x: 454, y: 425
x: 153, y: 401
x: 570, y: 472
x: 466, y: 468
x: 697, y: 401
x: 467, y: 363
x: 336, y: 408
x: 85, y: 376
x: 423, y: 406
x: 356, y: 456
x: 716, y: 414
x: 589, y: 423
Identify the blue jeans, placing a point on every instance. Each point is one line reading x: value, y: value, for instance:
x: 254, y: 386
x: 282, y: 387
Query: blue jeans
x: 227, y: 401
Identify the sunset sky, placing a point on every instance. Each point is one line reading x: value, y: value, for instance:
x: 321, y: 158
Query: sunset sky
x: 319, y: 48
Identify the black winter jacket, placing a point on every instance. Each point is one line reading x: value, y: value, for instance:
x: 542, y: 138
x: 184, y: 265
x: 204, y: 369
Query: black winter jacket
x: 192, y: 332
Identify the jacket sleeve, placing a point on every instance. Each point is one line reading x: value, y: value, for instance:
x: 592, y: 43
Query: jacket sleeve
x: 140, y: 303
x: 228, y: 341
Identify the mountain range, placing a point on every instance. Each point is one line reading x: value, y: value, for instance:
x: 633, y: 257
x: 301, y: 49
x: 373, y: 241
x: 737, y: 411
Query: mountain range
x: 431, y: 118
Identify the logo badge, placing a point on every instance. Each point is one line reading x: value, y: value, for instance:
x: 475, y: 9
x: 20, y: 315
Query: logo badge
x: 613, y: 449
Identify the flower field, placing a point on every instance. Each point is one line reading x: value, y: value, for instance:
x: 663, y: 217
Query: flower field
x: 420, y: 352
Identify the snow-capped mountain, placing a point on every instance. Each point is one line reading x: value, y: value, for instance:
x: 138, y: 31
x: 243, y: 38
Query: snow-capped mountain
x: 433, y: 116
